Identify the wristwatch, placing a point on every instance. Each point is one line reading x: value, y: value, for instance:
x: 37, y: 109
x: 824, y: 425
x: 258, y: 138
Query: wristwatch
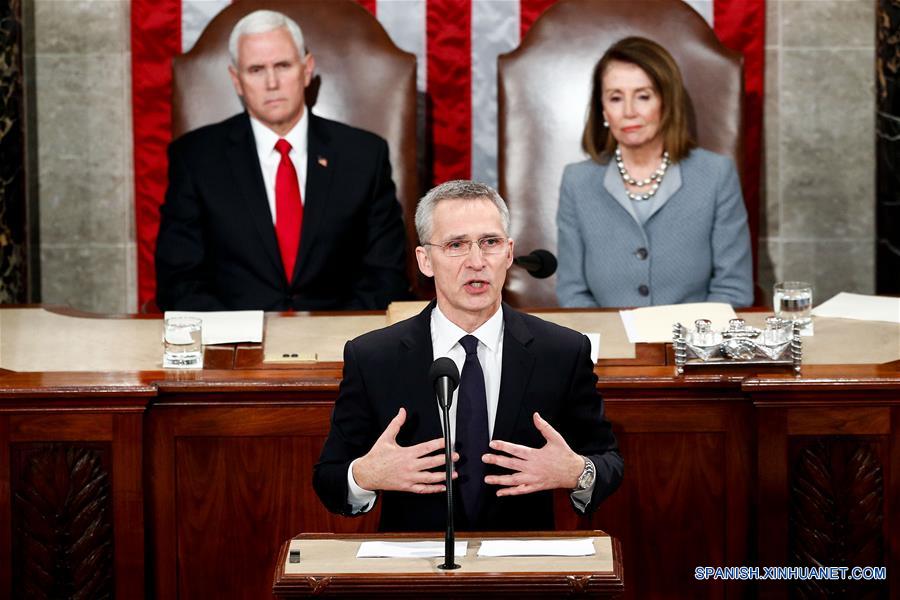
x: 586, y: 479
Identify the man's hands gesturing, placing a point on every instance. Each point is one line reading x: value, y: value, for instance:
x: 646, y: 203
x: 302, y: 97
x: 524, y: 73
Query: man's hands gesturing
x: 389, y: 466
x: 554, y: 465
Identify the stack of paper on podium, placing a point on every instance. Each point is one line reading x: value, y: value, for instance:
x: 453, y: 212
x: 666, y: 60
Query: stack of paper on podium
x: 226, y: 326
x: 860, y: 307
x: 653, y: 324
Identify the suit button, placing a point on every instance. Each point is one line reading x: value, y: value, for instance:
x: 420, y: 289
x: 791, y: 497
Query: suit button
x: 644, y: 290
x: 642, y: 253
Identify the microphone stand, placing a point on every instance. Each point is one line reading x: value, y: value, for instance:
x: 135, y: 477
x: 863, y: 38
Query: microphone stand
x: 445, y: 397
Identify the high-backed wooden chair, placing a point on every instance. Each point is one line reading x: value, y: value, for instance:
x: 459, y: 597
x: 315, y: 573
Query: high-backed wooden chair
x: 544, y: 89
x: 361, y: 79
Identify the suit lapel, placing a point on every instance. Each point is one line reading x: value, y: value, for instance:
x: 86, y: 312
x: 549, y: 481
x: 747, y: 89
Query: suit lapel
x: 416, y: 386
x: 243, y: 162
x: 670, y: 185
x: 615, y: 187
x: 321, y: 164
x: 518, y: 364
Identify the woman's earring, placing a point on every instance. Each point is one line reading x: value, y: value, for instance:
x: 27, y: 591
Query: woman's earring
x: 606, y: 124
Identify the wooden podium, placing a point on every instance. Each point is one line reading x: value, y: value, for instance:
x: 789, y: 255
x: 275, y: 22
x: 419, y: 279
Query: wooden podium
x: 328, y: 567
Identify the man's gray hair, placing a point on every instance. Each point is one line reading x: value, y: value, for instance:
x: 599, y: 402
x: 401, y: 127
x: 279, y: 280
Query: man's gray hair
x: 264, y: 21
x: 458, y: 189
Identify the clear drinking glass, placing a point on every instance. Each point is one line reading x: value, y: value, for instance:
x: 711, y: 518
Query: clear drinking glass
x: 792, y: 300
x: 183, y: 343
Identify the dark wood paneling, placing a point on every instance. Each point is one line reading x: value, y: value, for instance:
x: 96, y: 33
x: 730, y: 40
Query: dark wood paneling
x: 62, y: 545
x: 227, y: 453
x: 669, y: 476
x: 826, y: 486
x: 839, y: 421
x: 837, y: 511
x: 128, y: 504
x: 60, y: 426
x: 772, y: 486
x: 229, y: 484
x: 260, y: 487
x: 5, y: 512
x: 76, y: 453
x: 688, y: 472
x: 892, y: 502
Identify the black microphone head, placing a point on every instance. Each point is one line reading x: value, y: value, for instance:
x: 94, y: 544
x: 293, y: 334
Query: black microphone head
x: 444, y: 367
x: 547, y: 264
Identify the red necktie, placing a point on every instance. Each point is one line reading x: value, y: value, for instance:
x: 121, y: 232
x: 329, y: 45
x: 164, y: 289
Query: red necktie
x: 288, y: 209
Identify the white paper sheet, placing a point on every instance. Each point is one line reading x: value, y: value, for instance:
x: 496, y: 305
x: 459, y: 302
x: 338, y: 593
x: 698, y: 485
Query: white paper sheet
x: 421, y: 549
x: 538, y: 547
x: 860, y: 307
x: 594, y: 338
x: 653, y: 324
x: 226, y: 327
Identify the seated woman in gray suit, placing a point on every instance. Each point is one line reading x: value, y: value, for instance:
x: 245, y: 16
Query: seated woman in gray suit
x: 650, y: 218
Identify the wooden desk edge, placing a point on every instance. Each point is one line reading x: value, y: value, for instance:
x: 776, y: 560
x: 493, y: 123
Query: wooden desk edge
x: 611, y: 584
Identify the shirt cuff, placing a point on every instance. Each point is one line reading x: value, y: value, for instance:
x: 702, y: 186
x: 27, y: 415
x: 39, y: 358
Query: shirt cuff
x: 359, y: 499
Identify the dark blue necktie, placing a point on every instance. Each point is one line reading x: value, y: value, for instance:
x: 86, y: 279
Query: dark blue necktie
x: 471, y: 430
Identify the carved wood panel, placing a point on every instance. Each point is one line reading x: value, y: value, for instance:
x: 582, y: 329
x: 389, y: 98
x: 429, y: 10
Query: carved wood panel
x: 62, y: 544
x: 836, y: 513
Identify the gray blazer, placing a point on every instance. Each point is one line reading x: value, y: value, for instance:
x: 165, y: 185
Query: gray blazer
x: 694, y: 247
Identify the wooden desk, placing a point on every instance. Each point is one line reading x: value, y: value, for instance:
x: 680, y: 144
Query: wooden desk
x: 718, y: 470
x: 328, y: 567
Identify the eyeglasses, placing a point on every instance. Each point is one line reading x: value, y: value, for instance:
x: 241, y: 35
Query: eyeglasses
x: 487, y: 245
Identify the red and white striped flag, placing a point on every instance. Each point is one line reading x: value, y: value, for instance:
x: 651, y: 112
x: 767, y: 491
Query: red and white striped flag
x: 456, y: 43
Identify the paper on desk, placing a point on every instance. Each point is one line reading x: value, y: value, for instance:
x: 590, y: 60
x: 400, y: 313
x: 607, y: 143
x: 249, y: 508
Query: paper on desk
x: 653, y: 324
x: 422, y: 549
x: 860, y: 307
x: 594, y: 339
x: 567, y: 547
x: 227, y: 326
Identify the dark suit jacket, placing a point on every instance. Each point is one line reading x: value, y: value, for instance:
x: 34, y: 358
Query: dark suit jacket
x: 217, y: 248
x: 546, y: 368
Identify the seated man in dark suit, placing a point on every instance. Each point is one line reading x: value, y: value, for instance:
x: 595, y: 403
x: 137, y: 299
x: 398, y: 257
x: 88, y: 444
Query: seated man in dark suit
x: 526, y: 419
x: 276, y: 208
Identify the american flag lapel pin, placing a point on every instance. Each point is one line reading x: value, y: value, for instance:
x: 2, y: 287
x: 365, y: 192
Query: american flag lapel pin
x: 322, y: 161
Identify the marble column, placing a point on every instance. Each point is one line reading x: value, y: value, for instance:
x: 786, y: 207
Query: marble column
x: 887, y: 211
x: 13, y: 239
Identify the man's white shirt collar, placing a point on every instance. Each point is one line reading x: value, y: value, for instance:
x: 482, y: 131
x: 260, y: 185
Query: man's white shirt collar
x: 446, y: 334
x: 269, y: 158
x: 266, y: 138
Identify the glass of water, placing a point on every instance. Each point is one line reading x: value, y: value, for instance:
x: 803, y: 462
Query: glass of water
x: 183, y: 343
x: 792, y: 300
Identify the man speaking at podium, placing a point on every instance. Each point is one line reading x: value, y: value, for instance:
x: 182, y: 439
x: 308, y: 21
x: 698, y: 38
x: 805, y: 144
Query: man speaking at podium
x: 526, y: 418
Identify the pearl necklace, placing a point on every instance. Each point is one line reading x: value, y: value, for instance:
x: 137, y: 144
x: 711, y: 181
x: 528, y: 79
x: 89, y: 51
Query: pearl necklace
x: 654, y: 179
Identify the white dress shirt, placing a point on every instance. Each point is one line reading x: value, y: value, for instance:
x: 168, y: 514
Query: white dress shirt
x: 445, y: 337
x: 270, y: 158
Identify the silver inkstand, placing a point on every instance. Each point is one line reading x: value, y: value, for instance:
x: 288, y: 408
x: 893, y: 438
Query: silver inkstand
x: 779, y: 344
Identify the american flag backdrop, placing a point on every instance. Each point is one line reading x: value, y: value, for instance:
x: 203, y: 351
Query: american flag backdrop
x: 456, y: 43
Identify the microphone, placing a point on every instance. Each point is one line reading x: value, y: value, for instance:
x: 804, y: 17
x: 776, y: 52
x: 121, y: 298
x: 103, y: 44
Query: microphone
x: 540, y: 263
x: 444, y: 378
